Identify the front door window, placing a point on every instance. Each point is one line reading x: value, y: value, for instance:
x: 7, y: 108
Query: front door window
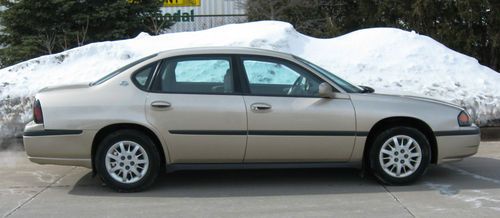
x: 278, y: 78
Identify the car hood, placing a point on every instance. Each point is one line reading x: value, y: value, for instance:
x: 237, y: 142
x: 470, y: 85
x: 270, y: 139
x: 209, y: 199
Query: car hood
x: 419, y: 98
x: 432, y: 100
x: 64, y: 87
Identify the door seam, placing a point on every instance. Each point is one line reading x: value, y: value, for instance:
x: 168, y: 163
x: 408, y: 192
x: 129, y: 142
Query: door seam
x: 246, y: 139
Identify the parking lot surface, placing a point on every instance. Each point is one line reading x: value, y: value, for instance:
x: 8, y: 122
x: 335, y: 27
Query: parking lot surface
x: 462, y: 189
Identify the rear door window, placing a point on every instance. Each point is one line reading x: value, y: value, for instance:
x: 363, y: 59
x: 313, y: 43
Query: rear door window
x: 196, y: 75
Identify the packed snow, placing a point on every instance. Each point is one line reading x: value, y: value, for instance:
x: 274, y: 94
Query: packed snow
x: 387, y: 59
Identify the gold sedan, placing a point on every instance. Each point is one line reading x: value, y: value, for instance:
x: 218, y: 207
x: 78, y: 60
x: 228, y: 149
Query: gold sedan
x: 232, y: 108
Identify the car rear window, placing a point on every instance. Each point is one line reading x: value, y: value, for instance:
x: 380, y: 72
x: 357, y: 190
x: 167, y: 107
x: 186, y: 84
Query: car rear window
x: 142, y: 77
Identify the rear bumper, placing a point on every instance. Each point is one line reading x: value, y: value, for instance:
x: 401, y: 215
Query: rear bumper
x: 61, y: 147
x: 456, y: 145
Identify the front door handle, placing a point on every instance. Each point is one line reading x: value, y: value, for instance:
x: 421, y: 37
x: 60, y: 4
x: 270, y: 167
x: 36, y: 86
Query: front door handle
x: 260, y: 106
x: 161, y: 104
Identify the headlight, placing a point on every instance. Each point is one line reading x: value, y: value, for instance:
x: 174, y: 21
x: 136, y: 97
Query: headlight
x: 464, y: 119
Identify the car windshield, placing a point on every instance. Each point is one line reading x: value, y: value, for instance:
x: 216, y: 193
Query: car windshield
x: 348, y: 87
x: 121, y: 69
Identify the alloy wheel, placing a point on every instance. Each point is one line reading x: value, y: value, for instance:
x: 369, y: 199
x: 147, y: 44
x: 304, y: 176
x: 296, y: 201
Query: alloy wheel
x: 127, y: 162
x: 400, y: 156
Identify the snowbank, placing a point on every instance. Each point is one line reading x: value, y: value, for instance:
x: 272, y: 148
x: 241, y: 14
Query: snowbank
x: 387, y: 59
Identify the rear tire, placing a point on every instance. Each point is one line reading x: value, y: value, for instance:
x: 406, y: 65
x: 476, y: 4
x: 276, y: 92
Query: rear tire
x: 127, y: 161
x: 399, y: 155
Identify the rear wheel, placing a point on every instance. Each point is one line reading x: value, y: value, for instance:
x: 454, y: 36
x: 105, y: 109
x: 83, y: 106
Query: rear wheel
x: 399, y: 155
x: 127, y: 160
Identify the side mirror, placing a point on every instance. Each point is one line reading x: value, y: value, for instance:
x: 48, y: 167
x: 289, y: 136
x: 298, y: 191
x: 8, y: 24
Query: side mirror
x: 367, y: 89
x: 326, y: 90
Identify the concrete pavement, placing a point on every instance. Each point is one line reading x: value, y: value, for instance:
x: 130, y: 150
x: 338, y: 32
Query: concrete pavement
x: 463, y: 189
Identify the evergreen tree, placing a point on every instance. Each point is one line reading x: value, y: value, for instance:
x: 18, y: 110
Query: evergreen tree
x: 32, y: 28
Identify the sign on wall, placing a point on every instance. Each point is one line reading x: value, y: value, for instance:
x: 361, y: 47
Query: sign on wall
x: 181, y: 3
x: 174, y: 3
x: 193, y: 15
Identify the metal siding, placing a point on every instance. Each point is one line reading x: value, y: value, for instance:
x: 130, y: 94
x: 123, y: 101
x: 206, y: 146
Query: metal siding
x: 230, y: 8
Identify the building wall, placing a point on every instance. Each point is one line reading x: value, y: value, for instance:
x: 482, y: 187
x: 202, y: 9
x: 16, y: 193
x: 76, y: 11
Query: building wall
x: 209, y: 13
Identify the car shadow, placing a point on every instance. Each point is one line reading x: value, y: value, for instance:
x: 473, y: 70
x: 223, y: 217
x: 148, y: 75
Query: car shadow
x: 471, y: 174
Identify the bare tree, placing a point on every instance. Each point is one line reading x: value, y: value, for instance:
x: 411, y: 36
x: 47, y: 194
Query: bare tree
x: 48, y: 41
x: 156, y: 22
x: 81, y: 36
x: 64, y: 43
x: 316, y: 17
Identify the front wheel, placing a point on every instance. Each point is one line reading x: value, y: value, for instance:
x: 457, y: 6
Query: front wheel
x: 399, y: 155
x: 127, y: 160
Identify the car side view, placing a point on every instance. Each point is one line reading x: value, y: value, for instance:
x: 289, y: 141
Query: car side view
x: 239, y: 108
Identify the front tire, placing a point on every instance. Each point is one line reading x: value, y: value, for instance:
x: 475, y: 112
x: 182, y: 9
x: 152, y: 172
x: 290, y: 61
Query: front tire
x: 127, y: 161
x: 399, y: 155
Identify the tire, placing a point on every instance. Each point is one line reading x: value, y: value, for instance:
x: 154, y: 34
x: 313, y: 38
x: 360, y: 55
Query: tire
x: 141, y: 167
x: 398, y: 168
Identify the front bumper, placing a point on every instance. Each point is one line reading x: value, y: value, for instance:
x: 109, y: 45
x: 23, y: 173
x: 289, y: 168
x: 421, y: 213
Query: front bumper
x: 60, y: 147
x: 458, y: 144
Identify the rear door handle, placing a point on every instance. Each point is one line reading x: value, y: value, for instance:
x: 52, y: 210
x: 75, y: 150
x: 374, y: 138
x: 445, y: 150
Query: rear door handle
x: 161, y: 104
x: 260, y: 106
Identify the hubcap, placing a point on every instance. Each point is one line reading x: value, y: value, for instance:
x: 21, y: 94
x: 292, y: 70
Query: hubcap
x: 127, y: 162
x: 400, y: 156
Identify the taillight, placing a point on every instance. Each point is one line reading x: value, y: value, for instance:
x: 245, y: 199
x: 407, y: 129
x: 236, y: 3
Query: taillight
x: 37, y: 112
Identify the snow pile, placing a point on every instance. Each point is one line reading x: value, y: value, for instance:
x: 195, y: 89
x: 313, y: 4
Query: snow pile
x: 387, y: 59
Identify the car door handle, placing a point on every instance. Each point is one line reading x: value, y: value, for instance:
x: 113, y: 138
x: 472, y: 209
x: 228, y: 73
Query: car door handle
x: 161, y: 104
x: 260, y: 106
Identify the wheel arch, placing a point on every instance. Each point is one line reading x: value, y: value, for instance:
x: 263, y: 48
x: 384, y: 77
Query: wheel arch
x: 103, y: 132
x: 389, y: 122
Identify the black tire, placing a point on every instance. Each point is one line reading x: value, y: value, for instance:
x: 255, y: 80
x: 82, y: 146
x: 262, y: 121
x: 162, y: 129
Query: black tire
x: 146, y: 143
x: 376, y: 148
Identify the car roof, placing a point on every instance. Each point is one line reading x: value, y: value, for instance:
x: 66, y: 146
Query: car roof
x: 224, y: 50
